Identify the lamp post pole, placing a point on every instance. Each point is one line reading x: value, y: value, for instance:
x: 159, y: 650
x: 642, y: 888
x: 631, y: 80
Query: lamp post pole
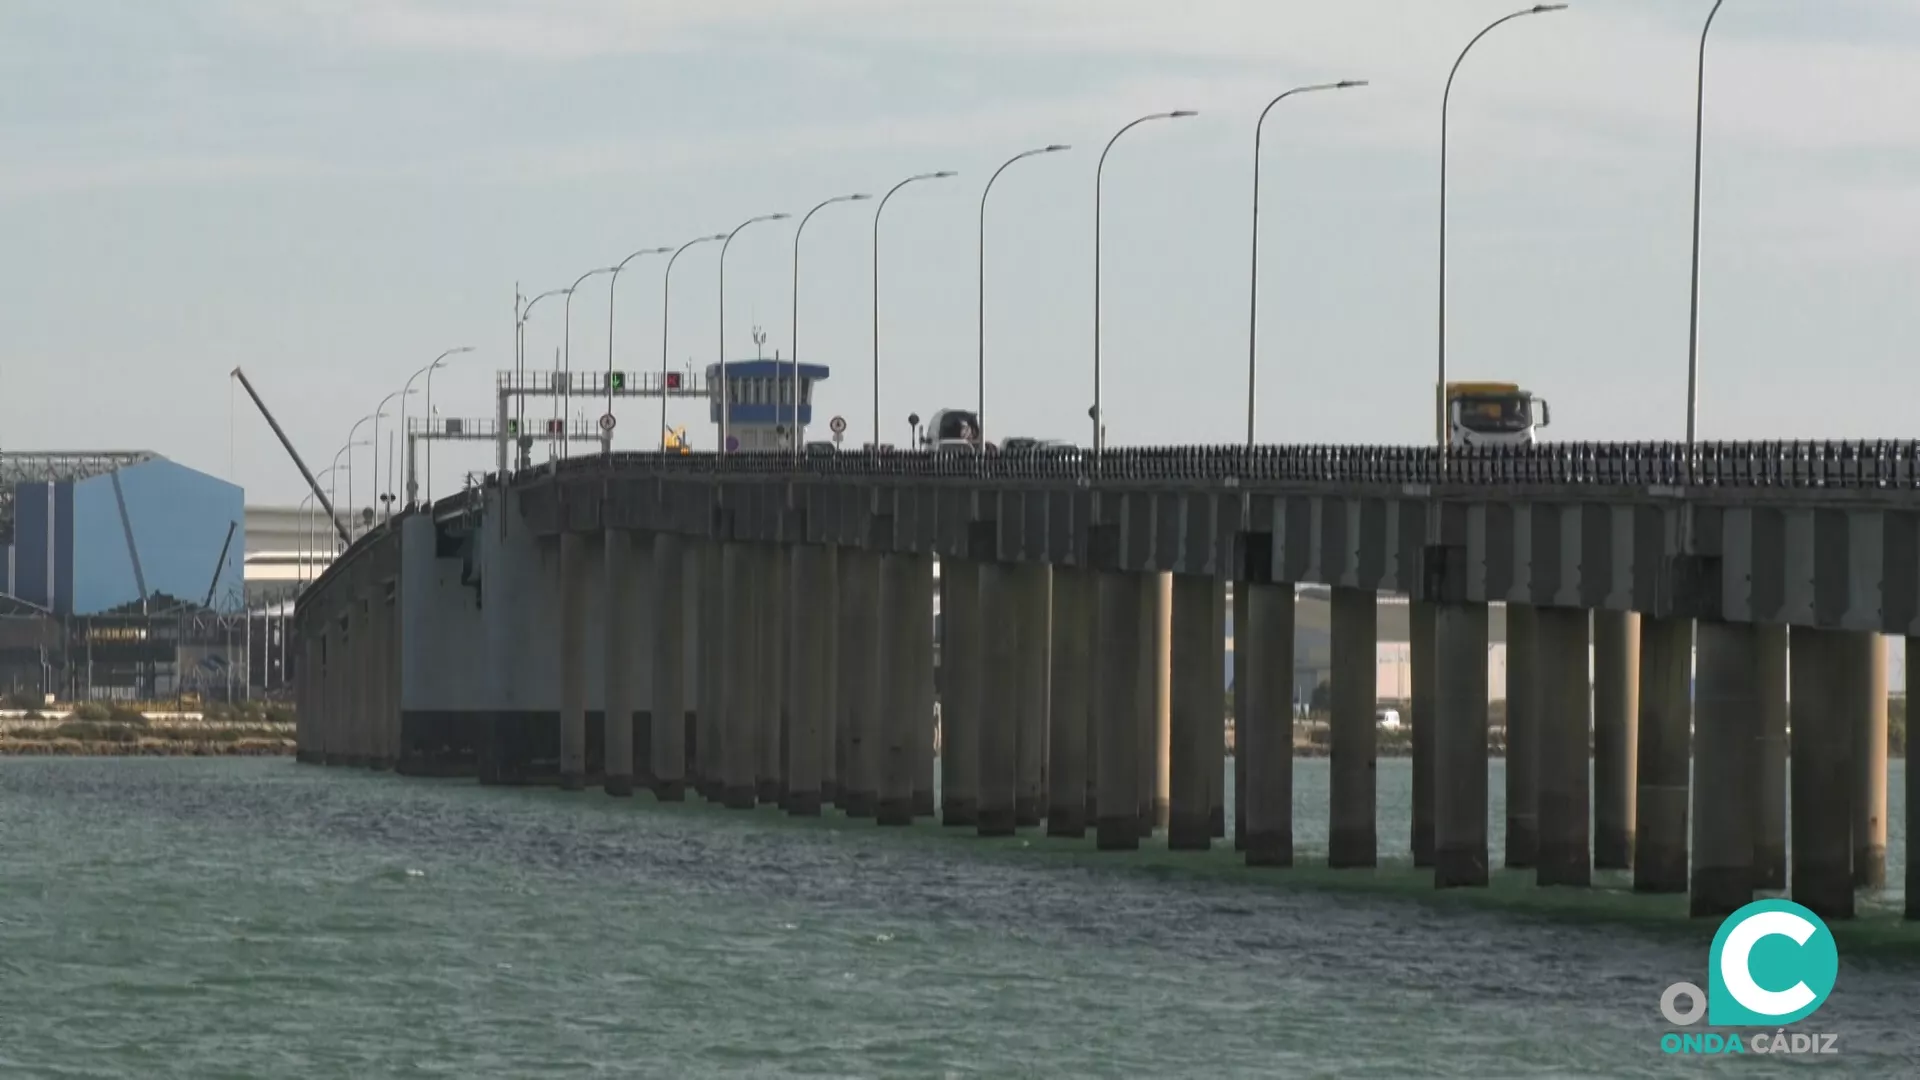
x: 877, y: 211
x: 980, y: 314
x: 520, y: 379
x: 793, y: 341
x: 1253, y: 277
x: 726, y: 400
x: 413, y: 486
x: 666, y: 286
x: 352, y: 441
x: 1099, y: 175
x: 378, y: 412
x: 566, y: 356
x: 612, y: 284
x: 1693, y: 303
x: 429, y: 409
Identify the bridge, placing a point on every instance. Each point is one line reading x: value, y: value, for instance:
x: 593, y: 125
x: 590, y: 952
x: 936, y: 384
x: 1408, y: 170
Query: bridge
x: 756, y: 627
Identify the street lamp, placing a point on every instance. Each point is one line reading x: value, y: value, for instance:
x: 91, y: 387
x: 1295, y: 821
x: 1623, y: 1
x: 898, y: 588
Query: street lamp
x: 413, y: 487
x: 566, y: 354
x: 980, y: 411
x: 1099, y: 174
x: 1442, y: 432
x: 877, y: 211
x: 377, y: 414
x: 1253, y: 279
x: 726, y: 401
x: 666, y: 285
x: 793, y: 342
x: 1693, y: 304
x: 613, y: 283
x: 520, y: 359
x: 353, y: 440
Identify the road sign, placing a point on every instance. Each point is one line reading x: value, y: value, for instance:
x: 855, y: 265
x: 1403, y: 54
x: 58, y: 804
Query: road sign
x: 606, y: 422
x: 733, y: 443
x: 837, y: 436
x: 838, y: 425
x: 617, y: 380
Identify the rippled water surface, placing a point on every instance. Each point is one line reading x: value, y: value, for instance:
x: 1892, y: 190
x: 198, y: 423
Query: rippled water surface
x: 253, y: 918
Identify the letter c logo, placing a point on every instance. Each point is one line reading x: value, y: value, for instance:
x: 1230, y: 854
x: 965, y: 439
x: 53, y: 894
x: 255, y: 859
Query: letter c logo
x: 1773, y: 962
x: 1735, y: 968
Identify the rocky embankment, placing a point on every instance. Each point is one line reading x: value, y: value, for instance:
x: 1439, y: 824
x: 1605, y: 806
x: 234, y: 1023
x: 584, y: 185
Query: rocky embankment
x: 128, y: 733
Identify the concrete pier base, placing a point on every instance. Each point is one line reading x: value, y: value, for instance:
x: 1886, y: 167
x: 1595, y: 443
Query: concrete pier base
x: 1666, y: 715
x: 1032, y: 601
x: 625, y: 610
x: 1198, y: 712
x: 1821, y: 870
x: 1116, y: 689
x: 961, y: 676
x: 918, y: 570
x: 1352, y: 837
x: 668, y: 733
x: 1460, y: 758
x: 1067, y: 703
x: 770, y: 776
x: 1266, y: 639
x: 1913, y: 789
x: 1726, y: 703
x: 1616, y: 736
x: 576, y: 575
x: 860, y: 615
x: 831, y: 721
x: 1003, y: 643
x: 1866, y: 705
x: 812, y: 619
x: 899, y: 691
x: 1156, y: 702
x: 1770, y: 802
x: 1422, y: 651
x: 1523, y: 736
x: 738, y: 722
x: 708, y: 752
x: 1566, y: 717
x: 1241, y: 673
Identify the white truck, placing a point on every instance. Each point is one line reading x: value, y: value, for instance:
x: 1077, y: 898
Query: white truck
x: 1494, y: 414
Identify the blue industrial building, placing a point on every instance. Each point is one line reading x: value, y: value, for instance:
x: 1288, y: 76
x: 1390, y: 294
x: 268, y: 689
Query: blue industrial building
x: 761, y: 407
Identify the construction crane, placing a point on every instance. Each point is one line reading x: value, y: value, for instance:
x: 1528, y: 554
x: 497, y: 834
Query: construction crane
x: 676, y: 441
x: 318, y: 495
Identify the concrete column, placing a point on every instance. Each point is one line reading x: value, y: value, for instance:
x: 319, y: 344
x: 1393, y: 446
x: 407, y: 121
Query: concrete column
x: 1122, y: 623
x: 1351, y: 836
x: 1566, y: 718
x: 303, y: 700
x: 851, y: 666
x: 620, y: 667
x: 960, y: 692
x: 1913, y: 786
x: 1616, y: 736
x: 1217, y: 774
x: 1523, y: 736
x: 710, y: 730
x: 1265, y: 638
x: 377, y: 671
x: 575, y: 578
x: 1198, y: 709
x: 832, y: 728
x: 736, y: 752
x: 919, y: 574
x: 1242, y: 672
x: 1821, y: 869
x: 900, y: 690
x: 1460, y: 747
x: 860, y: 613
x: 1666, y: 717
x: 669, y: 734
x: 1000, y: 720
x: 1032, y: 585
x: 1866, y: 705
x: 811, y: 625
x: 1726, y: 706
x: 366, y: 677
x: 1770, y: 828
x: 335, y: 701
x: 1156, y: 702
x: 390, y: 683
x: 771, y: 641
x: 1067, y: 704
x: 1422, y: 651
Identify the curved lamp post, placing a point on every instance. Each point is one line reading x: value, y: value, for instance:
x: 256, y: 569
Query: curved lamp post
x: 520, y: 344
x: 877, y: 211
x: 793, y: 342
x: 1693, y: 304
x: 413, y: 486
x: 1099, y: 175
x: 566, y: 355
x: 378, y: 412
x: 980, y: 315
x: 726, y: 401
x: 612, y: 284
x: 1253, y: 279
x: 1442, y: 431
x: 440, y: 363
x: 666, y: 285
x: 353, y: 440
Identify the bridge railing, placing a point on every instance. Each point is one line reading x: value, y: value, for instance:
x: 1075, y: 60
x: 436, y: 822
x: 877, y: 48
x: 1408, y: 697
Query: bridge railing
x: 1877, y: 464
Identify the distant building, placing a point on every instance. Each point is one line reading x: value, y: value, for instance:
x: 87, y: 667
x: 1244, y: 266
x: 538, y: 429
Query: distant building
x: 760, y: 411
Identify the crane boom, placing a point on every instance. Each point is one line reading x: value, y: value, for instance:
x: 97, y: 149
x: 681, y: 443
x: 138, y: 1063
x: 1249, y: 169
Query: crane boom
x: 319, y: 495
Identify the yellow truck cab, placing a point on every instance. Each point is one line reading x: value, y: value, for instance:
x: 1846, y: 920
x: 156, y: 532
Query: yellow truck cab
x: 1494, y: 414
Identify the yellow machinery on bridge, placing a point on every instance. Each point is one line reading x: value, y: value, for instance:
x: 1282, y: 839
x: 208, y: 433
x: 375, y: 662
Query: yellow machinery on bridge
x: 674, y: 441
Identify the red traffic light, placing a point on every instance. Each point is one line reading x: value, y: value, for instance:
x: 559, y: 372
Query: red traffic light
x: 556, y: 427
x: 673, y: 380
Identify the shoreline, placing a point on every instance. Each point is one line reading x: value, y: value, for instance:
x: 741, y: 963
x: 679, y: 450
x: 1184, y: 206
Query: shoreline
x: 16, y: 747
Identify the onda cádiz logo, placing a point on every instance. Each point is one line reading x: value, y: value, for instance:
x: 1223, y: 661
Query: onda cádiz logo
x: 1773, y: 963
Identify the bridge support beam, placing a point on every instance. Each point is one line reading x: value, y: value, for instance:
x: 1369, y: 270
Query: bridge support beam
x: 1913, y: 788
x: 1566, y: 712
x: 1821, y: 873
x: 1241, y: 673
x: 1032, y: 586
x: 861, y: 680
x: 708, y: 751
x: 812, y: 616
x: 671, y: 718
x: 575, y: 580
x: 1264, y: 731
x: 1423, y: 651
x: 1000, y: 721
x: 1217, y: 772
x: 386, y: 672
x: 1866, y: 704
x: 626, y: 609
x: 1124, y: 632
x: 1666, y: 718
x: 961, y: 675
x: 1155, y: 701
x: 833, y: 728
x: 1199, y: 712
x: 366, y: 665
x: 1725, y: 765
x: 737, y: 752
x: 1067, y: 711
x: 1523, y: 735
x: 1352, y: 836
x: 770, y: 644
x: 1460, y: 759
x: 899, y: 715
x: 918, y: 572
x: 1616, y: 736
x: 1770, y: 829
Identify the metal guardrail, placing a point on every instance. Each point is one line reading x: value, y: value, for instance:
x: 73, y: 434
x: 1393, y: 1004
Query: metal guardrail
x: 1866, y: 465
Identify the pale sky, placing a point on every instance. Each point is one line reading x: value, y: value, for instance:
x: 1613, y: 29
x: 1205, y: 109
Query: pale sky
x: 331, y: 192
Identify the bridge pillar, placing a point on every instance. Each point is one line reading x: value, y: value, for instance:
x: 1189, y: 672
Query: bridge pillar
x: 833, y: 727
x: 1913, y: 785
x: 1821, y: 868
x: 1523, y: 737
x: 1566, y: 715
x: 511, y: 609
x: 1217, y: 774
x: 737, y: 750
x: 671, y: 718
x: 1241, y: 673
x: 1770, y: 830
x: 628, y: 610
x: 1423, y: 651
x: 1264, y: 731
x: 900, y: 690
x: 919, y: 573
x: 386, y: 638
x: 1866, y: 704
x: 1352, y: 835
x: 812, y: 618
x: 960, y: 692
x: 708, y: 752
x: 328, y: 691
x: 999, y: 728
x: 303, y: 715
x: 1460, y: 747
x: 861, y: 608
x: 1124, y: 633
x: 1067, y: 703
x: 1666, y: 718
x: 1156, y: 701
x: 1725, y: 763
x: 576, y: 574
x: 853, y: 665
x: 1199, y: 711
x: 366, y: 676
x: 771, y: 645
x: 1032, y: 602
x: 1616, y: 735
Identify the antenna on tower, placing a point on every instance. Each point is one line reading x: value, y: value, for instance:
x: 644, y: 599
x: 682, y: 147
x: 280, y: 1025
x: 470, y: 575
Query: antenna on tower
x: 759, y: 339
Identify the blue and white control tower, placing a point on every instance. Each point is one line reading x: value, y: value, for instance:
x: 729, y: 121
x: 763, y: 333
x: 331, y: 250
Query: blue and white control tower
x: 760, y: 406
